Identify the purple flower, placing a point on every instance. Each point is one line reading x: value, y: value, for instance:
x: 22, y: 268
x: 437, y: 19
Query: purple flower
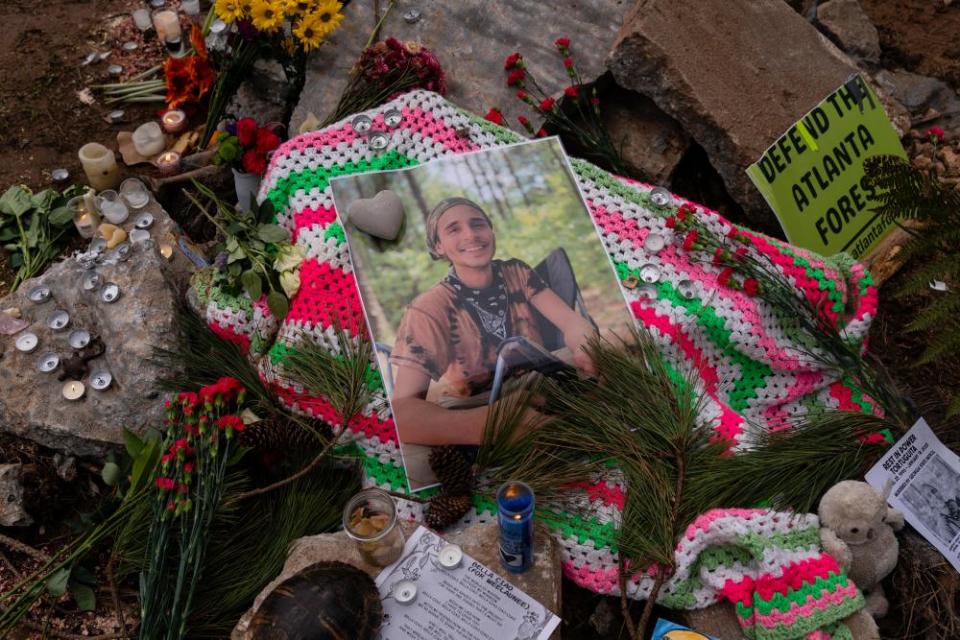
x: 221, y: 260
x: 246, y: 30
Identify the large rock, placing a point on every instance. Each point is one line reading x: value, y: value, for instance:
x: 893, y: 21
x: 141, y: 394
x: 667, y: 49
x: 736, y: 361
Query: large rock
x: 32, y: 404
x: 649, y: 140
x: 919, y: 93
x: 263, y: 94
x: 471, y: 38
x: 847, y: 24
x: 542, y: 581
x: 735, y: 74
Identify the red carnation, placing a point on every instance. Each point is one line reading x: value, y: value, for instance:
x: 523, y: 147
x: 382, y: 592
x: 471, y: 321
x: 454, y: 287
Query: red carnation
x: 740, y: 254
x: 671, y: 222
x: 568, y: 62
x: 751, y: 287
x: 572, y: 91
x: 165, y: 484
x: 732, y: 233
x: 246, y: 131
x: 230, y: 424
x: 542, y: 133
x: 562, y: 43
x: 267, y: 140
x: 188, y: 467
x: 935, y: 134
x: 524, y: 120
x: 689, y: 240
x: 546, y: 104
x: 254, y: 162
x: 188, y: 398
x: 724, y: 278
x: 180, y: 444
x: 516, y: 77
x: 522, y: 95
x: 166, y: 458
x: 511, y: 61
x: 718, y: 256
x: 494, y: 116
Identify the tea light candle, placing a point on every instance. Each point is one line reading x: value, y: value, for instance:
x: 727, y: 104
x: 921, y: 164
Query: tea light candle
x: 141, y: 18
x: 79, y: 339
x: 174, y: 121
x: 405, y: 591
x: 110, y: 292
x: 100, y: 380
x: 168, y: 162
x: 48, y: 362
x: 85, y: 218
x: 100, y: 166
x: 450, y: 556
x: 190, y: 7
x: 167, y: 24
x: 40, y: 293
x: 148, y: 139
x: 27, y: 342
x: 58, y: 320
x: 73, y: 390
x: 515, y: 502
x: 166, y: 250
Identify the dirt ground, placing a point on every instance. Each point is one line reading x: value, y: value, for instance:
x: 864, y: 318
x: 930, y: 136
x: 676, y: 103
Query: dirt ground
x: 43, y: 123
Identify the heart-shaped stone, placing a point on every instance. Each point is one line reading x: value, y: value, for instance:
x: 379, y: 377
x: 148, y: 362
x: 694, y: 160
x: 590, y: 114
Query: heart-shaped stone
x: 381, y: 216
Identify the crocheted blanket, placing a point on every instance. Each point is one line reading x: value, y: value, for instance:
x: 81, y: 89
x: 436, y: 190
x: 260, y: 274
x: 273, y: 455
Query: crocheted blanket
x: 754, y: 372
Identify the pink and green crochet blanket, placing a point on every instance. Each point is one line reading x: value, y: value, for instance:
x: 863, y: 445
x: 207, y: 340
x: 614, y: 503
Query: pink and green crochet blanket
x: 754, y: 371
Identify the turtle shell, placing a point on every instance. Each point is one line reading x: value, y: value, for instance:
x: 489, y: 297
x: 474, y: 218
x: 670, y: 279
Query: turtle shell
x: 325, y: 601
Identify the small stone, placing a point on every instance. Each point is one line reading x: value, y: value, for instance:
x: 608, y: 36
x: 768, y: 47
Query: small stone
x: 848, y: 25
x: 13, y: 312
x: 12, y: 512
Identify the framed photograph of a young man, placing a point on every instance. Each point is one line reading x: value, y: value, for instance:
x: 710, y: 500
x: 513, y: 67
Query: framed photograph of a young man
x: 497, y: 270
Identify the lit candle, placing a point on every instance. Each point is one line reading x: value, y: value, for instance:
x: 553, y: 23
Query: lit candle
x: 515, y: 502
x: 85, y: 218
x: 148, y: 139
x: 167, y: 24
x: 168, y: 162
x: 174, y: 121
x: 100, y: 165
x: 166, y: 250
x: 73, y: 390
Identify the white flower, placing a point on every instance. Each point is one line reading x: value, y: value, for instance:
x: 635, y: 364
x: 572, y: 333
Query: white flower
x: 290, y: 281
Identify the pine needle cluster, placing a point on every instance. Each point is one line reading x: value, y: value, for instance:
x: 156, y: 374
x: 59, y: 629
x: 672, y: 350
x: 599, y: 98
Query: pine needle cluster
x: 641, y: 418
x: 907, y: 193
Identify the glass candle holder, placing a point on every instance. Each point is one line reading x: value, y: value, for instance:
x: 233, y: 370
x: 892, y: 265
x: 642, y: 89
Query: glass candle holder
x: 85, y: 218
x: 141, y: 18
x: 167, y: 24
x: 515, y: 503
x: 99, y: 165
x: 174, y: 121
x: 190, y: 7
x: 112, y: 207
x: 370, y: 520
x: 135, y: 193
x: 148, y: 139
x: 168, y: 162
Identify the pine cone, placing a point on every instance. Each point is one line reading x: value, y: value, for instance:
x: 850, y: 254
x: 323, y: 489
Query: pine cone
x: 452, y: 470
x: 446, y: 509
x: 270, y: 435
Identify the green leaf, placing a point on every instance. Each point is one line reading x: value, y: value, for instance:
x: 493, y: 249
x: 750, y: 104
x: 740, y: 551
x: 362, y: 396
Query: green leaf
x: 144, y: 464
x: 60, y: 217
x: 57, y: 582
x: 252, y: 283
x: 132, y: 442
x: 232, y: 244
x: 278, y: 303
x: 15, y: 201
x: 235, y: 270
x: 84, y: 596
x: 233, y: 229
x: 265, y: 211
x: 272, y: 233
x: 33, y: 232
x: 16, y: 260
x: 110, y: 473
x: 43, y: 200
x: 8, y: 234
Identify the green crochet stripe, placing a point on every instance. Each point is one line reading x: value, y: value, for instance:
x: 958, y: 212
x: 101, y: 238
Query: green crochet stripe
x: 753, y: 374
x: 802, y: 625
x: 280, y: 352
x: 857, y: 395
x: 808, y: 538
x: 817, y: 274
x: 335, y: 230
x: 320, y: 177
x: 603, y: 179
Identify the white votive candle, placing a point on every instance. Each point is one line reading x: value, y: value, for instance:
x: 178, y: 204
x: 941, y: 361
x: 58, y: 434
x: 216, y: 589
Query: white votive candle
x: 167, y: 24
x: 168, y: 162
x: 148, y: 139
x: 141, y: 18
x: 100, y: 166
x: 174, y: 121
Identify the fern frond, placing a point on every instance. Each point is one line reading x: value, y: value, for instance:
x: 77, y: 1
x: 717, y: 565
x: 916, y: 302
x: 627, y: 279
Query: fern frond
x: 938, y: 314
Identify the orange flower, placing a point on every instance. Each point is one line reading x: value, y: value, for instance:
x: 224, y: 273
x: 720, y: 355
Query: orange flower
x: 189, y: 78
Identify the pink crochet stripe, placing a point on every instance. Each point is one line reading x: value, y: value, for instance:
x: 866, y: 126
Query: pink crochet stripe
x: 326, y: 137
x: 327, y: 296
x: 602, y: 492
x: 308, y: 217
x: 437, y: 130
x: 777, y: 618
x: 597, y: 580
x: 705, y: 521
x: 804, y: 383
x: 227, y: 333
x: 844, y: 396
x: 369, y: 426
x: 794, y: 576
x: 730, y: 422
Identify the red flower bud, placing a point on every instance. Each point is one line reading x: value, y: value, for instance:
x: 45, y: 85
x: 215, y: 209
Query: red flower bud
x: 724, y: 278
x: 671, y: 222
x: 689, y: 240
x: 516, y: 78
x: 572, y: 91
x: 568, y: 62
x: 542, y: 133
x: 595, y: 101
x: 547, y: 104
x: 718, y: 256
x: 740, y: 254
x: 522, y: 95
x: 751, y: 287
x: 562, y: 43
x: 732, y: 233
x: 188, y: 467
x: 511, y: 61
x: 494, y: 116
x: 523, y: 120
x: 935, y: 134
x: 165, y: 484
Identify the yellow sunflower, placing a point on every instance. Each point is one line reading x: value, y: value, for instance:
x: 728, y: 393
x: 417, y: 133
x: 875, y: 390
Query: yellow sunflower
x: 267, y: 15
x: 328, y: 16
x: 308, y: 32
x: 228, y: 10
x: 246, y: 7
x: 300, y: 7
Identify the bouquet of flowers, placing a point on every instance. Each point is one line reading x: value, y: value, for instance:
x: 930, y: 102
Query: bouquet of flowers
x: 190, y: 78
x: 385, y: 70
x: 245, y: 146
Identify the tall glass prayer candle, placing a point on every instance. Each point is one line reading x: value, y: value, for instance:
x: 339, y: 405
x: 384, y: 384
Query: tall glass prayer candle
x: 85, y: 217
x: 515, y: 502
x: 167, y: 24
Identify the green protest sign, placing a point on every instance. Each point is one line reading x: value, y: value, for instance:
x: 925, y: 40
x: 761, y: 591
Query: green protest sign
x: 813, y: 178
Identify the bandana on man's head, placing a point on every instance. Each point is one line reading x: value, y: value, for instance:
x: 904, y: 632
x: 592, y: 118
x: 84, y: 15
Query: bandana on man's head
x: 433, y: 220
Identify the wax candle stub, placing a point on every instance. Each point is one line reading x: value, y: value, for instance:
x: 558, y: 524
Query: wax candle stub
x: 100, y: 380
x: 79, y: 339
x: 73, y: 390
x: 99, y: 165
x: 27, y: 342
x: 450, y: 556
x: 405, y: 591
x: 110, y: 292
x: 660, y: 196
x: 168, y: 162
x: 58, y: 320
x: 143, y: 221
x: 166, y: 250
x: 40, y: 293
x: 48, y: 362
